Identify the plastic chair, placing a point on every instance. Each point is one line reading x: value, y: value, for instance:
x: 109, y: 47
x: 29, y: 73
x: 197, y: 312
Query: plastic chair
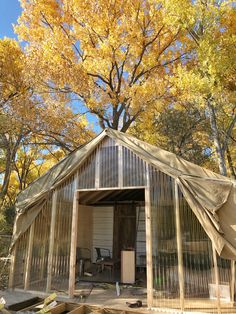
x: 103, y: 254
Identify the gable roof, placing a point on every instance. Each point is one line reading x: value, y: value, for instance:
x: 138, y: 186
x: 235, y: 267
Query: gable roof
x: 205, y: 191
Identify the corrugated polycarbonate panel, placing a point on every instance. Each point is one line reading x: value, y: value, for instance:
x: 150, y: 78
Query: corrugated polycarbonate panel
x: 197, y: 260
x: 108, y: 164
x: 62, y: 239
x: 164, y: 244
x: 39, y: 262
x: 20, y: 260
x: 86, y: 173
x: 134, y: 169
x: 199, y: 274
x: 112, y: 166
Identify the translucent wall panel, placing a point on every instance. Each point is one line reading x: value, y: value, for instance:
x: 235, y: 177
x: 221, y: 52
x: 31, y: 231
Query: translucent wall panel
x: 108, y: 164
x: 62, y: 239
x: 86, y: 173
x: 197, y: 259
x: 199, y: 272
x: 20, y: 260
x: 224, y: 268
x: 164, y: 245
x: 39, y: 262
x: 134, y: 169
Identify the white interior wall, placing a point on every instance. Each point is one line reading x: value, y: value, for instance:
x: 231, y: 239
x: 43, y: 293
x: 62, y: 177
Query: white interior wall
x: 102, y: 228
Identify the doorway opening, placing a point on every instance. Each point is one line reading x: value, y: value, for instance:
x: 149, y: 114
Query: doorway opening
x: 111, y: 242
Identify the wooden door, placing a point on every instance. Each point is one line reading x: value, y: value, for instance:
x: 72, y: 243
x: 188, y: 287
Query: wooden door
x: 124, y: 228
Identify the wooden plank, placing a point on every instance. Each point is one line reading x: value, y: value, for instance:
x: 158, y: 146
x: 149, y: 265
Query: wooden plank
x: 148, y: 223
x: 51, y: 240
x: 113, y: 188
x: 120, y: 166
x: 179, y: 246
x: 217, y: 282
x: 58, y: 309
x: 24, y: 304
x: 97, y: 168
x: 29, y: 257
x: 232, y: 283
x: 74, y: 231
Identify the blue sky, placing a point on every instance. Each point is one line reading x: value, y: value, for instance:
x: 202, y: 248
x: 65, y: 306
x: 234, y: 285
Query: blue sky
x: 9, y: 12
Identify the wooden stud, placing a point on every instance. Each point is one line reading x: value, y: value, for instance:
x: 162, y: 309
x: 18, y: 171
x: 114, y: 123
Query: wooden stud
x: 179, y: 246
x: 74, y: 231
x: 97, y: 169
x: 51, y: 241
x: 120, y: 166
x: 29, y: 257
x: 232, y: 283
x: 148, y: 224
x: 216, y: 273
x: 113, y: 188
x: 12, y: 267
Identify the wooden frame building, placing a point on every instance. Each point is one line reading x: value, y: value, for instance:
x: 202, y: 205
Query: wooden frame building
x: 120, y: 193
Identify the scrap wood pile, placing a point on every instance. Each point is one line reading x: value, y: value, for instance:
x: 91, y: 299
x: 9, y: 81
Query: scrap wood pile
x: 50, y: 305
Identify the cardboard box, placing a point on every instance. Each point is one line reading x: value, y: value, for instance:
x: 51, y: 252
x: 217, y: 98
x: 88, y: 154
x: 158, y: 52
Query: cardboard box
x: 224, y: 292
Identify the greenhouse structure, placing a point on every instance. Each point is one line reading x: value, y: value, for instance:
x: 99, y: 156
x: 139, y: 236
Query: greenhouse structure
x: 119, y: 209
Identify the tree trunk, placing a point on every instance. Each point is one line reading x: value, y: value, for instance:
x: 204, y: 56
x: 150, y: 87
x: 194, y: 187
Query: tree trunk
x: 7, y: 175
x: 230, y: 163
x: 220, y: 152
x: 11, y: 150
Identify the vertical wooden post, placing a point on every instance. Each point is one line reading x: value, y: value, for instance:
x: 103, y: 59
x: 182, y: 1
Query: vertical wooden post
x: 148, y: 223
x: 12, y: 267
x: 97, y: 168
x: 232, y: 283
x: 120, y: 166
x: 29, y: 257
x: 179, y: 246
x: 51, y: 240
x: 74, y: 231
x: 216, y: 272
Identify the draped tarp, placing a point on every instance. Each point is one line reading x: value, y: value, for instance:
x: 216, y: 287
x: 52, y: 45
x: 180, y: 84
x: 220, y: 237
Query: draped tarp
x: 211, y: 196
x: 28, y: 204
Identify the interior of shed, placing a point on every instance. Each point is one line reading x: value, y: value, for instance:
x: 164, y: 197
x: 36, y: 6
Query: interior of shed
x: 111, y: 242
